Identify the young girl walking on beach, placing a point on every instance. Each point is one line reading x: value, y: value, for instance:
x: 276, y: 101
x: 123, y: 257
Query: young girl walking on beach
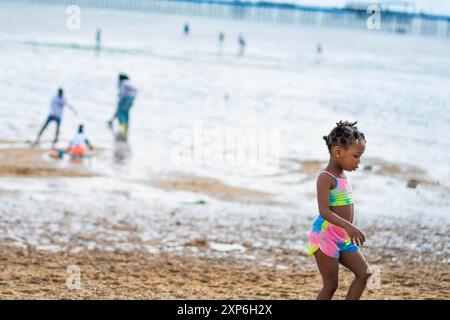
x: 333, y: 238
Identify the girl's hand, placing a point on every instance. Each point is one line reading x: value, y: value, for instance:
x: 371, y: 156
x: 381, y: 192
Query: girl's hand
x: 355, y: 234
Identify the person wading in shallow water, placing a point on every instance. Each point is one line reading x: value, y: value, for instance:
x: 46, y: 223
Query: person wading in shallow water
x: 56, y: 111
x: 127, y: 94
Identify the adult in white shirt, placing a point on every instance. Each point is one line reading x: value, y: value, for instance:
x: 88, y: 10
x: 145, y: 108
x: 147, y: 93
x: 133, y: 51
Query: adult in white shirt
x: 56, y: 111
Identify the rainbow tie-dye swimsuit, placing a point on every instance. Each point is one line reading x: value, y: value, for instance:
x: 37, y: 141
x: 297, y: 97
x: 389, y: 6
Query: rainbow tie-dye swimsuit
x: 327, y: 237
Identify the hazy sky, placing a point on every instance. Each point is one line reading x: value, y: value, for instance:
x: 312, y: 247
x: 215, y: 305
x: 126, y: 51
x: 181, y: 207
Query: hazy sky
x: 441, y: 7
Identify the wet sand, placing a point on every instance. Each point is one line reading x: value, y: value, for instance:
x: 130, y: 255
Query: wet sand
x: 27, y: 162
x: 215, y: 188
x: 29, y: 274
x: 411, y: 174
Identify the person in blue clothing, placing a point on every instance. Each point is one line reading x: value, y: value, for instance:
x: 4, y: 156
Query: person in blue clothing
x: 98, y: 39
x: 186, y: 29
x: 56, y: 111
x: 127, y: 94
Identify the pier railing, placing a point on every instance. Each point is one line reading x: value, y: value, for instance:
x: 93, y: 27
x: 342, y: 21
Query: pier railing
x: 408, y: 23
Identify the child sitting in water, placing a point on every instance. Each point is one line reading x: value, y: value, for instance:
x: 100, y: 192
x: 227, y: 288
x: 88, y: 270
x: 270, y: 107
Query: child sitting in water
x: 333, y: 238
x: 79, y: 145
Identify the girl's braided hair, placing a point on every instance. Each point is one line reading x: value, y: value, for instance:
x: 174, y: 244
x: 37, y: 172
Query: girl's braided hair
x: 344, y: 134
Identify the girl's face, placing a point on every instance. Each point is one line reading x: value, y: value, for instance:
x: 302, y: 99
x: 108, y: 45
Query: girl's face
x: 349, y: 158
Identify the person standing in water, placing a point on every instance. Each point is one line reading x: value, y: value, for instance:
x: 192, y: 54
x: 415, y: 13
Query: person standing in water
x: 56, y: 111
x: 242, y: 44
x: 221, y: 40
x: 98, y: 39
x: 127, y: 94
x: 186, y: 29
x: 319, y: 48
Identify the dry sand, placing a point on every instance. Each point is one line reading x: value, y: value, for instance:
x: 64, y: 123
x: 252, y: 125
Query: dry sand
x: 29, y: 274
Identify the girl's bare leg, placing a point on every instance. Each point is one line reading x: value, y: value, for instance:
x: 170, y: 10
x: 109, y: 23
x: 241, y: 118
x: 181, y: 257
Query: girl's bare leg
x: 329, y: 269
x: 358, y: 265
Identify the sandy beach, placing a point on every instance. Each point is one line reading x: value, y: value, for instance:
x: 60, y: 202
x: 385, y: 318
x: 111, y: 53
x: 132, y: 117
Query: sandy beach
x: 30, y: 274
x: 202, y: 267
x: 213, y: 193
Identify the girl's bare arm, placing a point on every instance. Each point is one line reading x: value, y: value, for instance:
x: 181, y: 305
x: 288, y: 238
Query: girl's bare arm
x: 324, y: 184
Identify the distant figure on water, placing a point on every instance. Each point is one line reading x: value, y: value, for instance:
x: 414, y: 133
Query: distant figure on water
x: 221, y: 41
x: 242, y: 44
x: 127, y: 94
x: 334, y: 238
x: 319, y: 48
x: 98, y: 39
x: 186, y: 29
x: 56, y: 111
